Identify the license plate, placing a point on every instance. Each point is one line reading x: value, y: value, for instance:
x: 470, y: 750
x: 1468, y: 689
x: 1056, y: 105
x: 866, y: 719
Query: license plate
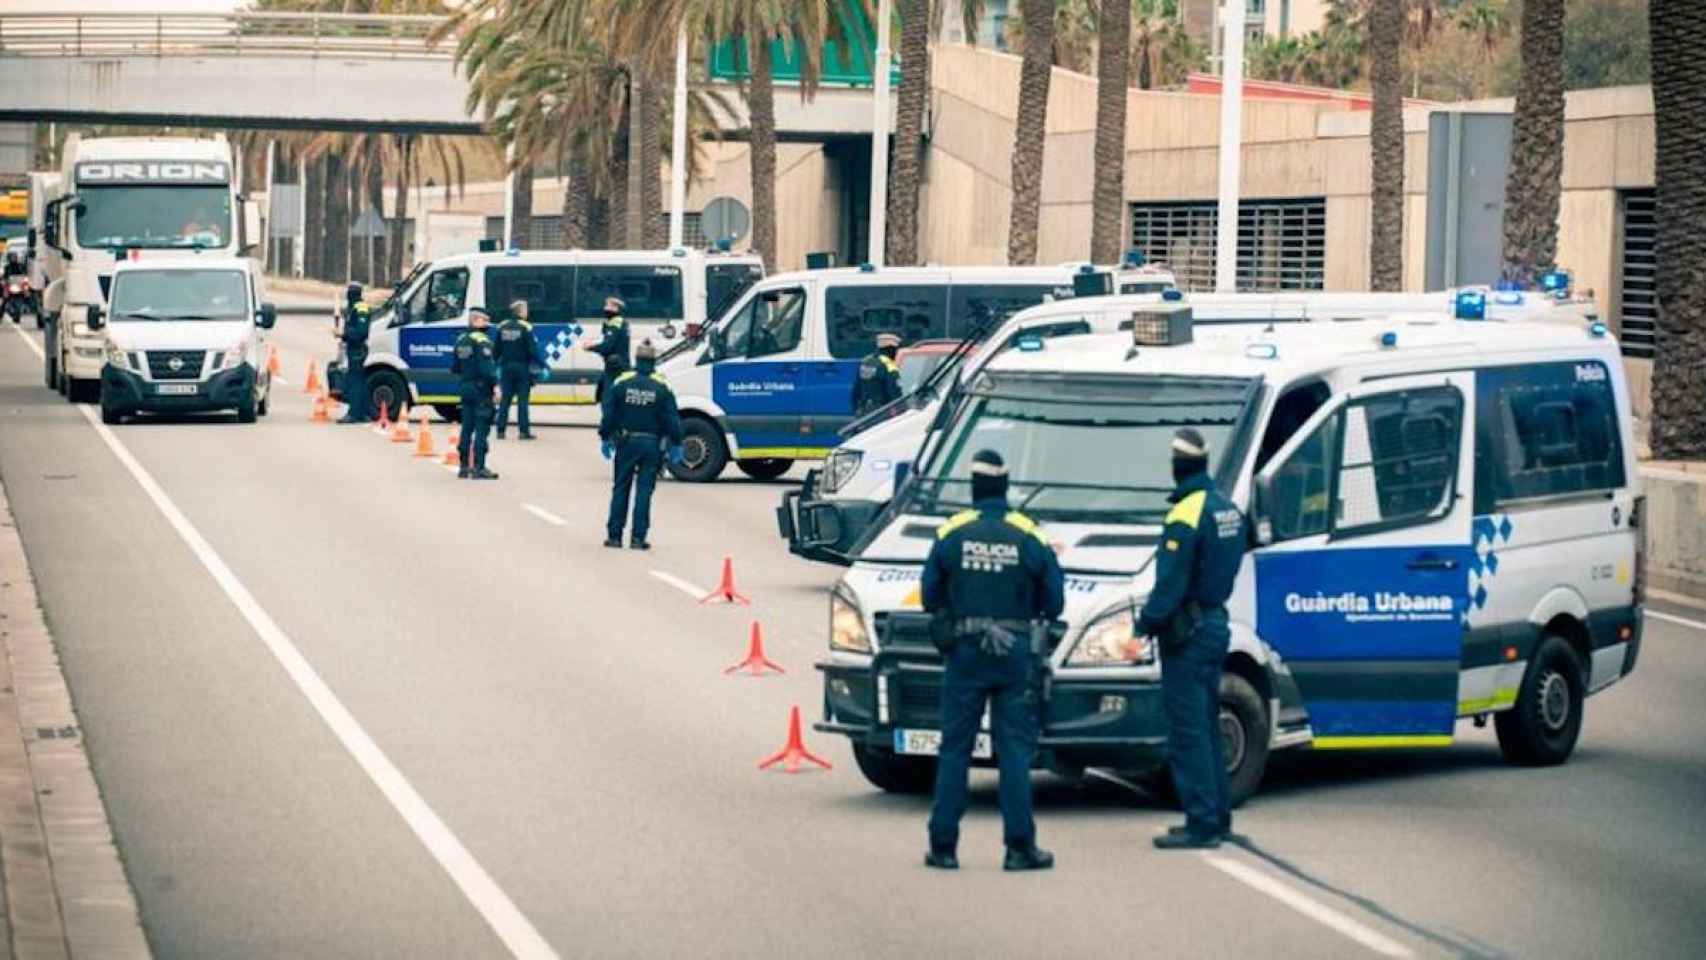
x: 176, y: 389
x: 928, y: 743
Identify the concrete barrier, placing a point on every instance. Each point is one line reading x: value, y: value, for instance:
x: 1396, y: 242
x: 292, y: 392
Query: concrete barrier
x: 1675, y: 523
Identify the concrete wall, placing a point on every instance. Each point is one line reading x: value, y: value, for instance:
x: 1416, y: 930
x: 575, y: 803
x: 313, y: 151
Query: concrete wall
x: 1675, y: 525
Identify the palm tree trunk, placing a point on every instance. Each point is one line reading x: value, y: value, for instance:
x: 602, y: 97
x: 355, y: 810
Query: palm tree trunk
x: 1386, y: 146
x: 638, y: 121
x: 1534, y: 182
x: 313, y: 237
x: 1029, y: 130
x: 399, y: 211
x: 334, y: 262
x: 901, y: 244
x: 376, y: 201
x: 616, y: 205
x: 577, y: 202
x: 761, y: 105
x: 521, y: 207
x: 1679, y: 102
x: 653, y: 228
x: 1113, y: 68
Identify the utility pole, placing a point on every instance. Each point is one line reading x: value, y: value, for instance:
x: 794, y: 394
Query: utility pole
x: 1231, y: 144
x: 678, y: 152
x: 880, y: 139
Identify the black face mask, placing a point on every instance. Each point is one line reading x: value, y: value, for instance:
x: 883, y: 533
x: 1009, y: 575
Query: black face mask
x: 888, y: 351
x: 1185, y: 468
x: 612, y: 314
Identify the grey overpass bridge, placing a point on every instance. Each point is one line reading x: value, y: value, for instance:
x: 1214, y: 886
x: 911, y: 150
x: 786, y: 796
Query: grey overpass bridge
x: 284, y: 71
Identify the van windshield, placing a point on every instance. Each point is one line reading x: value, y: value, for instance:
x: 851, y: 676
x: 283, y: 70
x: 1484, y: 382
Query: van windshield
x: 1081, y: 449
x: 180, y: 295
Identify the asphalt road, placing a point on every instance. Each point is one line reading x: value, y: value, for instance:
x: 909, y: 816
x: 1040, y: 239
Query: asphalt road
x: 439, y: 719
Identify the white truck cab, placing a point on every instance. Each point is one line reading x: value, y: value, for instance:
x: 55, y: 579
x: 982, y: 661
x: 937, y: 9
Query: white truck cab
x: 184, y: 336
x: 1445, y: 524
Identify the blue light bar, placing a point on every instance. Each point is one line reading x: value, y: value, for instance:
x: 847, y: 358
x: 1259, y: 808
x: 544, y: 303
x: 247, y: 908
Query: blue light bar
x: 1172, y: 295
x: 1471, y: 305
x: 867, y: 268
x: 1134, y: 258
x: 1389, y: 339
x: 1509, y: 298
x: 1597, y: 330
x: 1261, y: 351
x: 513, y: 252
x: 1030, y: 344
x: 1555, y: 280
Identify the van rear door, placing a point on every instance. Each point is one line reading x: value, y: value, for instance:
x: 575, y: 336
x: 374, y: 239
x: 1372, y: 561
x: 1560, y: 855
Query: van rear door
x: 1362, y: 584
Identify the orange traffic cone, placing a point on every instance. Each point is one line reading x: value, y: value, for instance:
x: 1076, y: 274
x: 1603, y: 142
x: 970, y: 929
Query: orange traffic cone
x: 726, y: 591
x: 322, y: 411
x: 274, y: 368
x: 423, y: 444
x: 451, y: 457
x: 756, y: 662
x: 400, y: 429
x: 795, y: 750
x: 384, y: 417
x: 312, y: 384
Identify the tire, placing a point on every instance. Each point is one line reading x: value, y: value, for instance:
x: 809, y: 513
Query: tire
x: 448, y: 412
x: 1541, y: 730
x: 387, y: 387
x: 768, y: 468
x: 246, y: 410
x: 895, y: 774
x: 82, y: 391
x: 706, y: 453
x: 50, y: 370
x: 1245, y: 731
x: 264, y: 407
x: 110, y: 416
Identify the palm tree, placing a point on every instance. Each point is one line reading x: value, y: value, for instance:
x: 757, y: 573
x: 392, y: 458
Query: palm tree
x: 1162, y: 49
x: 1029, y: 129
x: 1113, y: 68
x: 1278, y: 58
x: 1074, y: 39
x: 1534, y: 183
x: 901, y: 243
x: 1488, y: 23
x: 1679, y: 112
x: 1386, y: 145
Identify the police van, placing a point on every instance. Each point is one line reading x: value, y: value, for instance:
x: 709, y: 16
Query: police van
x: 773, y: 381
x: 1445, y: 523
x: 668, y: 293
x: 825, y: 517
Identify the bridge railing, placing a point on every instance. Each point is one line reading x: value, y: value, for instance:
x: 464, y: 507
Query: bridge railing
x: 350, y: 36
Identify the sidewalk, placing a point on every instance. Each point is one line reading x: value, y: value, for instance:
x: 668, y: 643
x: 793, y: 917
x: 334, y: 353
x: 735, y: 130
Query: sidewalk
x: 66, y: 894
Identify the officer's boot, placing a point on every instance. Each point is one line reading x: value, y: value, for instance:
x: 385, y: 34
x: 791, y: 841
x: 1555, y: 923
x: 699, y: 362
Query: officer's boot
x: 942, y: 860
x: 1034, y: 858
x: 481, y: 473
x: 464, y: 472
x: 638, y: 543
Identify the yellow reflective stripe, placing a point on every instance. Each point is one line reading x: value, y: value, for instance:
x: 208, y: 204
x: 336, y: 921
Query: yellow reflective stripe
x: 440, y: 398
x: 1026, y: 525
x: 955, y: 522
x: 890, y: 365
x: 623, y: 376
x: 1382, y: 742
x: 1498, y: 701
x: 1189, y: 510
x: 784, y: 453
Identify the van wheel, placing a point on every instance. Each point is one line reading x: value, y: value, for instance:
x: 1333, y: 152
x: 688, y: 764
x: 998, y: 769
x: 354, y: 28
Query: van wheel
x: 895, y: 774
x: 50, y: 370
x: 246, y: 409
x: 1542, y: 728
x: 1244, y: 734
x: 768, y: 468
x: 386, y: 387
x: 265, y: 405
x: 109, y: 415
x: 448, y: 412
x: 82, y: 391
x: 705, y: 452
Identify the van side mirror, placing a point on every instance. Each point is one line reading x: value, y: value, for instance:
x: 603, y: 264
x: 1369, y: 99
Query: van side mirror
x: 30, y: 242
x: 1261, y: 527
x: 95, y: 319
x: 770, y: 296
x: 266, y: 316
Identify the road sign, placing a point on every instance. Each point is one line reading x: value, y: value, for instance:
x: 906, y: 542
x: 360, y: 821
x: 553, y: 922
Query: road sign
x: 725, y: 218
x: 368, y: 224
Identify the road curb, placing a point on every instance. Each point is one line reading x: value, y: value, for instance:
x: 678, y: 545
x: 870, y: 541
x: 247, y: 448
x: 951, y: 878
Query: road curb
x: 66, y: 893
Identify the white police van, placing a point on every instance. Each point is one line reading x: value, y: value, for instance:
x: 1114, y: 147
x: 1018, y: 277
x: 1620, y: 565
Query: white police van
x: 825, y: 517
x: 773, y: 381
x: 1446, y: 522
x: 669, y: 293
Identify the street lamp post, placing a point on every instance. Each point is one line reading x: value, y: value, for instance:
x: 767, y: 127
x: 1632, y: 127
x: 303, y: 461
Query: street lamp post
x: 678, y: 148
x: 880, y: 140
x: 1231, y: 144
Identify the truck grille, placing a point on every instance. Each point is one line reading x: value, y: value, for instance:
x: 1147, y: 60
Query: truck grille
x: 187, y: 367
x: 919, y: 703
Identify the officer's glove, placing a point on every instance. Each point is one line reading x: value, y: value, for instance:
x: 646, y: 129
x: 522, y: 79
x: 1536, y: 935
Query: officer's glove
x: 608, y: 449
x: 677, y: 455
x: 998, y: 641
x: 541, y: 374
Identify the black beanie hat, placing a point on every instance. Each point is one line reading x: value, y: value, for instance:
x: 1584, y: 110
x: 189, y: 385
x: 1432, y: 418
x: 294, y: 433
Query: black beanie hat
x: 988, y: 475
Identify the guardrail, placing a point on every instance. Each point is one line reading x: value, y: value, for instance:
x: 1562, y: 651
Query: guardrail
x: 332, y: 35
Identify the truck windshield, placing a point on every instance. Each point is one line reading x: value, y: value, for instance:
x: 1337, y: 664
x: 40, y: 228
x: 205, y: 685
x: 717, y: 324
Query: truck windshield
x: 180, y: 295
x: 1081, y: 449
x: 154, y: 216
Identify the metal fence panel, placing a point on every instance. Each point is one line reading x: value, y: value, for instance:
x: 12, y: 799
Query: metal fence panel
x: 1637, y: 301
x: 1282, y: 243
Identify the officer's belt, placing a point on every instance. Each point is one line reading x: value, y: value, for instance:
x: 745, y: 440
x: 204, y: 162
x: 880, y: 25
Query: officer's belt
x: 625, y: 434
x: 975, y: 626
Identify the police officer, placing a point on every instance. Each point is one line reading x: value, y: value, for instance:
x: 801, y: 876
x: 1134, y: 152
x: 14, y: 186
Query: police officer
x: 1202, y: 545
x: 993, y: 584
x: 354, y: 335
x: 639, y: 420
x: 879, y: 376
x: 475, y: 362
x: 614, y: 347
x: 518, y: 356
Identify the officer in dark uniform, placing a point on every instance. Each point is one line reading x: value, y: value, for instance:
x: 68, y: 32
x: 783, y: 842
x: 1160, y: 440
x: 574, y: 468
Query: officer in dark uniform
x: 638, y: 425
x: 518, y: 356
x: 993, y: 584
x: 879, y: 376
x: 354, y: 336
x: 1201, y: 548
x: 476, y: 363
x: 614, y: 347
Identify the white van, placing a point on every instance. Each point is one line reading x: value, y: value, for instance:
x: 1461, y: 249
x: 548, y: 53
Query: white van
x: 669, y: 294
x: 1446, y: 520
x: 824, y: 518
x: 184, y: 335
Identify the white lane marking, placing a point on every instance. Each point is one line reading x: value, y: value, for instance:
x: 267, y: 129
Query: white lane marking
x: 685, y: 587
x: 545, y: 515
x: 35, y: 347
x: 495, y: 906
x: 1679, y: 621
x: 1314, y: 910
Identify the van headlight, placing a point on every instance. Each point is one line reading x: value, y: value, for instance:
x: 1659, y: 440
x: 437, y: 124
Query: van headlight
x: 839, y: 468
x: 230, y: 358
x: 847, y: 625
x: 1111, y: 639
x: 116, y: 356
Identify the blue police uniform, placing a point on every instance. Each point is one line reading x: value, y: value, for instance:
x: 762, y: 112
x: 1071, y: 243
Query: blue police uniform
x: 878, y: 383
x: 354, y: 384
x: 475, y: 362
x: 614, y: 349
x: 1202, y: 546
x: 990, y: 567
x: 639, y: 419
x: 518, y: 353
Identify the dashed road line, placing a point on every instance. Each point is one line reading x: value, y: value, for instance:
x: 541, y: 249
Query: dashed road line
x: 545, y: 515
x: 696, y: 592
x: 1679, y: 621
x: 1313, y: 909
x: 495, y: 907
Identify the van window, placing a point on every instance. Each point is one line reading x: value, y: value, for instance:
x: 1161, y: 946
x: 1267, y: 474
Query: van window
x: 446, y: 295
x: 856, y: 314
x: 725, y: 282
x: 649, y: 293
x: 1398, y: 457
x: 1302, y: 488
x: 770, y: 324
x: 1291, y: 411
x: 1545, y: 430
x: 549, y: 292
x: 983, y: 308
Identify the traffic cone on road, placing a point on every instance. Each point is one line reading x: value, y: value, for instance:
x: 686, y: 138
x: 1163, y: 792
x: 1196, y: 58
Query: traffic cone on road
x: 423, y: 441
x: 274, y: 368
x: 384, y: 417
x: 322, y: 410
x: 756, y: 662
x: 795, y: 750
x: 400, y: 428
x: 726, y: 591
x: 312, y: 384
x: 452, y: 458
